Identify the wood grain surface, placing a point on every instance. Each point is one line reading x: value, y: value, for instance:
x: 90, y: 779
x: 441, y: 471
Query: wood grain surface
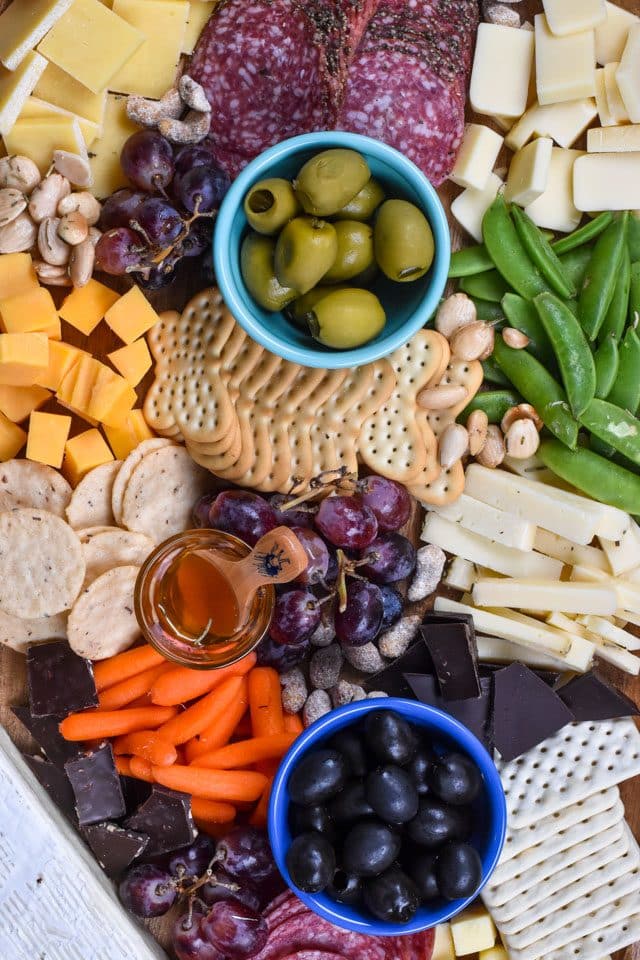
x: 191, y: 279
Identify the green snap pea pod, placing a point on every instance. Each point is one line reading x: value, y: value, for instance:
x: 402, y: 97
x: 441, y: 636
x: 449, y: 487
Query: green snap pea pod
x: 625, y: 392
x: 600, y: 279
x: 616, y: 318
x: 604, y: 449
x: 634, y: 237
x: 485, y: 286
x: 584, y: 234
x: 507, y: 252
x: 542, y: 254
x: 493, y: 373
x: 606, y: 359
x: 593, y: 474
x: 494, y: 403
x: 634, y: 293
x: 488, y: 311
x: 538, y: 388
x: 572, y: 351
x: 469, y: 260
x: 575, y: 264
x: 614, y: 426
x: 522, y: 315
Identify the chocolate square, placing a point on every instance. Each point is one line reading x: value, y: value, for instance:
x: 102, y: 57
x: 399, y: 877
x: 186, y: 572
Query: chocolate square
x: 114, y: 847
x: 391, y: 678
x: 135, y: 792
x: 56, y: 783
x: 525, y: 711
x: 59, y: 681
x: 166, y: 819
x: 475, y: 713
x: 452, y: 645
x: 45, y: 732
x: 96, y: 786
x: 590, y: 697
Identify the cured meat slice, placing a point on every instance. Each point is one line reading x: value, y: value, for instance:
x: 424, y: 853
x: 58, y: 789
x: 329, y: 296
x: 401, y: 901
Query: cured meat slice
x: 341, y: 24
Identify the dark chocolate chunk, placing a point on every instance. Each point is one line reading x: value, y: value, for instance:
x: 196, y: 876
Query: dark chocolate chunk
x: 391, y: 678
x: 591, y: 697
x: 475, y: 712
x: 166, y: 818
x: 525, y: 711
x: 96, y: 786
x: 114, y: 847
x: 452, y: 645
x: 550, y: 677
x: 434, y: 616
x: 60, y: 682
x: 45, y: 732
x: 55, y: 781
x: 135, y: 792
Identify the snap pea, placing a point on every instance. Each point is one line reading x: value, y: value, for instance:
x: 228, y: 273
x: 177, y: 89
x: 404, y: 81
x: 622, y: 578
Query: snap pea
x: 575, y: 264
x: 494, y: 403
x: 614, y: 426
x: 486, y: 286
x: 634, y: 293
x: 615, y: 320
x: 584, y: 234
x: 542, y: 254
x: 600, y: 279
x: 634, y: 236
x: 508, y: 253
x: 538, y: 388
x: 572, y: 351
x: 493, y: 373
x: 625, y: 392
x: 604, y: 449
x: 468, y: 261
x: 606, y: 359
x: 593, y: 474
x: 522, y: 315
x: 488, y: 311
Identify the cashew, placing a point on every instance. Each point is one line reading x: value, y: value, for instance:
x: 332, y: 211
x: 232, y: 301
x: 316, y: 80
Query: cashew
x: 521, y: 439
x: 20, y: 173
x: 73, y: 228
x: 94, y: 235
x: 441, y: 397
x: 149, y: 113
x: 502, y: 15
x: 515, y: 338
x: 493, y: 452
x: 81, y: 263
x: 19, y: 235
x: 44, y: 200
x: 473, y: 342
x: 51, y: 275
x: 523, y: 411
x: 457, y: 311
x: 193, y: 94
x: 52, y: 247
x: 12, y: 203
x: 74, y: 167
x: 82, y: 202
x: 477, y: 427
x: 192, y: 129
x: 453, y: 445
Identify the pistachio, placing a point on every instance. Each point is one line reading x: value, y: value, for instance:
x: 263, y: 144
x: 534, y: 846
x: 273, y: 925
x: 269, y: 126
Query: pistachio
x: 457, y: 311
x: 193, y: 94
x: 148, y: 113
x: 20, y: 173
x: 477, y: 426
x: 515, y: 338
x: 81, y: 263
x: 493, y: 452
x: 74, y: 167
x: 441, y: 397
x: 12, y: 203
x: 521, y: 439
x: 473, y: 341
x: 51, y: 275
x: 52, y: 247
x: 73, y: 228
x: 523, y: 411
x: 81, y: 202
x: 44, y: 200
x: 192, y: 129
x: 19, y: 235
x: 453, y: 445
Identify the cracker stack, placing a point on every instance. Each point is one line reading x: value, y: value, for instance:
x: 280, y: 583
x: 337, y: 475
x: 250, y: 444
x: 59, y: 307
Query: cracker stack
x: 262, y: 422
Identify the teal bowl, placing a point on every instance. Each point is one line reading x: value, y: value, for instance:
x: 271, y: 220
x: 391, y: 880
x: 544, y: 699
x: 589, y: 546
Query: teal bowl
x: 408, y: 306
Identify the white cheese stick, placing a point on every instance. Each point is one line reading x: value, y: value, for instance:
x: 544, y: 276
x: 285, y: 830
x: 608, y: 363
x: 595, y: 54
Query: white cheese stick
x: 569, y: 552
x: 622, y: 659
x: 612, y: 33
x: 461, y: 574
x: 565, y: 66
x: 471, y: 546
x: 582, y: 574
x: 580, y: 654
x: 530, y: 634
x: 489, y: 522
x: 572, y: 16
x: 628, y: 616
x: 606, y: 181
x: 497, y: 650
x: 531, y: 467
x: 624, y: 553
x: 545, y: 595
x: 609, y: 631
x: 562, y: 622
x: 628, y: 595
x: 628, y: 74
x: 501, y: 70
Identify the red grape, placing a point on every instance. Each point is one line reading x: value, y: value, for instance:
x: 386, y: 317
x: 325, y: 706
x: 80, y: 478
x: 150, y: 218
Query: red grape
x: 155, y: 278
x: 347, y: 522
x: 120, y: 208
x: 189, y: 941
x: 193, y: 155
x: 245, y: 853
x: 296, y: 616
x: 147, y: 891
x: 192, y: 861
x: 120, y: 251
x: 281, y: 656
x: 147, y: 160
x: 243, y: 514
x: 201, y: 189
x: 389, y: 501
x: 159, y: 222
x: 235, y: 929
x: 198, y: 238
x: 218, y: 888
x: 200, y: 513
x: 362, y: 618
x: 317, y: 553
x: 392, y: 605
x: 300, y: 516
x: 390, y: 557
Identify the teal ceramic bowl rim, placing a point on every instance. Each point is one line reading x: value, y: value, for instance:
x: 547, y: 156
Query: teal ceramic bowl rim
x: 253, y: 325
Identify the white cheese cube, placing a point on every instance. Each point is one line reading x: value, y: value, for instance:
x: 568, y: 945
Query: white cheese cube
x: 529, y: 172
x: 555, y: 209
x: 572, y: 16
x: 628, y: 74
x: 602, y: 101
x: 565, y: 66
x: 478, y: 154
x: 494, y: 953
x: 501, y: 70
x: 614, y: 139
x: 607, y: 181
x: 472, y: 930
x: 443, y: 943
x: 470, y: 207
x: 563, y: 122
x: 615, y: 102
x: 612, y: 33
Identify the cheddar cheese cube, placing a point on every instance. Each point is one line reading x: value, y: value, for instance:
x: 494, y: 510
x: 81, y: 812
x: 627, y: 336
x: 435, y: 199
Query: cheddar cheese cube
x: 31, y: 312
x: 23, y: 358
x: 132, y: 361
x: 86, y: 306
x: 131, y: 316
x: 126, y: 436
x: 17, y: 403
x: 12, y: 438
x: 472, y: 930
x: 16, y: 275
x: 112, y: 397
x: 77, y: 385
x: 83, y: 453
x: 48, y: 433
x: 62, y: 356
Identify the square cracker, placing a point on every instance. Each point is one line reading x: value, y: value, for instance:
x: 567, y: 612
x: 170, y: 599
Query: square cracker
x: 602, y: 943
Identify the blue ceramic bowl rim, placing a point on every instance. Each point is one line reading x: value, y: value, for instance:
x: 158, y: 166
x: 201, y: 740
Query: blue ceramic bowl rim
x: 341, y: 914
x: 257, y: 169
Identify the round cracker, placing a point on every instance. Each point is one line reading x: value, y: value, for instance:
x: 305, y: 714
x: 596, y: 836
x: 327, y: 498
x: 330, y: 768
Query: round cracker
x: 25, y: 483
x: 18, y: 634
x: 90, y: 503
x: 103, y: 621
x: 161, y: 493
x: 41, y: 562
x: 114, y: 548
x: 128, y: 466
x: 85, y: 533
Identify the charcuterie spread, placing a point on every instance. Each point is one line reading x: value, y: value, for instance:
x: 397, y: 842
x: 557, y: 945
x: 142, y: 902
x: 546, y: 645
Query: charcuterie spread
x: 319, y: 479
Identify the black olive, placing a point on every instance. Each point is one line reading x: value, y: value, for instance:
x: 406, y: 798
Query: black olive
x: 392, y: 794
x: 418, y: 769
x: 318, y: 777
x: 369, y: 848
x: 436, y: 823
x: 392, y: 896
x: 455, y: 779
x: 345, y: 887
x: 311, y: 861
x: 351, y: 803
x: 458, y: 870
x: 316, y: 817
x: 349, y: 743
x: 389, y: 737
x: 421, y: 867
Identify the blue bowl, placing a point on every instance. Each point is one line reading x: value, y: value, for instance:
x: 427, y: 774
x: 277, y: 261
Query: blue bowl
x: 408, y: 305
x: 489, y: 809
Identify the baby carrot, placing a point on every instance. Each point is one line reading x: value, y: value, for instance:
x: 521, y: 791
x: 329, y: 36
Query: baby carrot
x: 124, y: 693
x: 293, y: 723
x: 246, y: 752
x: 212, y: 811
x: 97, y: 724
x: 179, y: 685
x: 232, y: 786
x: 148, y: 745
x: 125, y: 665
x: 123, y: 766
x: 141, y: 769
x: 259, y: 816
x: 265, y: 702
x: 201, y: 714
x: 219, y: 732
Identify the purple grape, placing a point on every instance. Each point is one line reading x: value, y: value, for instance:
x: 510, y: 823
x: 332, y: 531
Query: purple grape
x: 389, y: 501
x: 391, y: 557
x: 243, y: 514
x: 245, y: 853
x: 297, y: 614
x: 159, y: 222
x: 155, y: 278
x: 392, y: 605
x: 235, y: 929
x: 120, y: 208
x: 198, y: 239
x: 192, y: 861
x: 282, y: 657
x: 201, y: 189
x: 192, y: 156
x: 221, y: 888
x: 300, y: 516
x: 347, y: 522
x: 317, y: 552
x: 147, y: 160
x: 332, y: 569
x: 189, y: 941
x: 362, y: 618
x: 147, y: 891
x: 120, y: 251
x: 200, y: 513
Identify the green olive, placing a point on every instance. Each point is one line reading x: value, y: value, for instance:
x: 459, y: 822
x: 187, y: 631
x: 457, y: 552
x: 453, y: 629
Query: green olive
x: 298, y: 311
x: 256, y: 265
x: 355, y: 250
x: 270, y: 204
x: 305, y: 250
x: 403, y: 241
x: 329, y: 180
x: 365, y: 203
x: 347, y: 318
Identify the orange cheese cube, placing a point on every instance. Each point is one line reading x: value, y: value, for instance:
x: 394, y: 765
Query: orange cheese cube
x: 23, y: 358
x: 86, y: 306
x: 62, y: 356
x: 18, y: 402
x: 48, y: 433
x: 126, y: 436
x: 30, y: 312
x: 112, y: 397
x: 131, y: 316
x: 76, y: 387
x: 132, y: 361
x: 83, y: 453
x: 16, y: 274
x: 12, y: 438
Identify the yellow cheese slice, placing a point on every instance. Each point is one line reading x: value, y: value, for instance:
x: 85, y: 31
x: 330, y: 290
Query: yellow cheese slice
x: 15, y: 87
x: 83, y: 453
x: 12, y: 438
x: 60, y: 90
x: 152, y: 68
x: 38, y: 137
x: 17, y: 403
x: 199, y: 13
x: 105, y: 152
x: 40, y: 108
x: 48, y: 433
x: 23, y: 25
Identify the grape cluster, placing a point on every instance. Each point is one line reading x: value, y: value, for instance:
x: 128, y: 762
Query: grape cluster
x: 224, y: 888
x: 167, y: 213
x: 355, y: 555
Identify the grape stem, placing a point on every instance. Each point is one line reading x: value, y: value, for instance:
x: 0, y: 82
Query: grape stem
x: 319, y: 485
x: 347, y: 568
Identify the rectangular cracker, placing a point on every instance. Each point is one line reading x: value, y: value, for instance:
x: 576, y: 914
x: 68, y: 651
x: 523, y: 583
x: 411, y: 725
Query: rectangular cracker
x: 601, y: 943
